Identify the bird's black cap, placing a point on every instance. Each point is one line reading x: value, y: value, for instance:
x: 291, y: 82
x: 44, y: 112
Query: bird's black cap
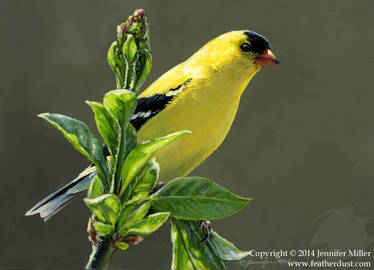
x: 259, y: 43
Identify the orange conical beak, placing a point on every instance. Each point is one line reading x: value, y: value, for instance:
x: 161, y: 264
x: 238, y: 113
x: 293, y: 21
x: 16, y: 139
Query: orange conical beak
x: 267, y: 58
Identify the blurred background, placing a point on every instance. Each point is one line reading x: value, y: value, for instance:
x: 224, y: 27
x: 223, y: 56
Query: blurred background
x: 302, y: 144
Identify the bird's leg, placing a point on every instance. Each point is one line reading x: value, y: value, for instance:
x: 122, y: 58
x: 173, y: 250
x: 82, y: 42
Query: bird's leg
x: 157, y: 187
x: 206, y: 226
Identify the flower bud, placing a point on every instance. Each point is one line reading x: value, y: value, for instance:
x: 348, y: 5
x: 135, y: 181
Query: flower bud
x: 123, y: 28
x: 129, y: 49
x: 140, y: 13
x: 130, y: 55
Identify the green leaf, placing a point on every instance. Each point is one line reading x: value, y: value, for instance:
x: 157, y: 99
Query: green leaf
x: 78, y: 134
x: 122, y: 245
x: 120, y: 104
x: 107, y: 125
x: 106, y: 207
x: 140, y: 156
x: 103, y: 229
x: 129, y: 48
x: 197, y: 198
x: 112, y: 60
x: 117, y: 65
x: 146, y: 182
x: 135, y: 215
x: 189, y: 252
x: 124, y: 214
x: 95, y: 189
x: 225, y: 249
x: 131, y: 138
x: 148, y: 225
x: 146, y: 68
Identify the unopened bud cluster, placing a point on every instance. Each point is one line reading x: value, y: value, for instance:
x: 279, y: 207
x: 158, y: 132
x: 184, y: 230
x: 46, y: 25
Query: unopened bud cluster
x: 130, y: 55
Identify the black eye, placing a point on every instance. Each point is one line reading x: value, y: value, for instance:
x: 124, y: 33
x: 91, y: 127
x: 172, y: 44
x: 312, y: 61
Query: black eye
x: 245, y: 47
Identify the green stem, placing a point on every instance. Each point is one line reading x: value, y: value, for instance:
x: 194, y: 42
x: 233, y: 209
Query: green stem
x: 100, y: 256
x: 116, y: 173
x: 133, y: 75
x: 118, y: 82
x: 126, y: 74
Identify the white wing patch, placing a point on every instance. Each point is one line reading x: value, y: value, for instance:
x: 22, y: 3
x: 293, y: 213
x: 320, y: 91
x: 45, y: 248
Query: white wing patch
x: 141, y: 114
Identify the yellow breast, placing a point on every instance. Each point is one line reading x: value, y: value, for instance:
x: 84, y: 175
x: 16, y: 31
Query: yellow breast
x: 207, y: 107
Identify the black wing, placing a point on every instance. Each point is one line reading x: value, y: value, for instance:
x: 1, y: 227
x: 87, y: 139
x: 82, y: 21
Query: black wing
x: 148, y: 107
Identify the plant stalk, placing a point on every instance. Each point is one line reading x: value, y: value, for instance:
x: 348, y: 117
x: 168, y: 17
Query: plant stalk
x: 100, y: 256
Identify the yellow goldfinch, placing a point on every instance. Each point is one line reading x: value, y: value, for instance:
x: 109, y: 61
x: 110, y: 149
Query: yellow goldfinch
x: 201, y: 94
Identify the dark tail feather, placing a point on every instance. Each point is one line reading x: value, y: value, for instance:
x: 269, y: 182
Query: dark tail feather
x: 54, y: 202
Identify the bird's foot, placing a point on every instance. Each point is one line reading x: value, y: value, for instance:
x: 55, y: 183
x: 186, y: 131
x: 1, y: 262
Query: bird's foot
x: 206, y: 226
x: 157, y: 187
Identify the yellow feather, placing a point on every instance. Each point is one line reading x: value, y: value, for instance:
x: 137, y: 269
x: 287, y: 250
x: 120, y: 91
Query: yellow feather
x: 207, y: 105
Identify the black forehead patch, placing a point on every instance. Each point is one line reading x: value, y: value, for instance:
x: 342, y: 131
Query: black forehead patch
x: 258, y: 42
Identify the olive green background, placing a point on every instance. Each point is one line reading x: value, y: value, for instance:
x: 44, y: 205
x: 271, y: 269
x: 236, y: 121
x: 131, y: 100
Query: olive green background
x: 302, y: 144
